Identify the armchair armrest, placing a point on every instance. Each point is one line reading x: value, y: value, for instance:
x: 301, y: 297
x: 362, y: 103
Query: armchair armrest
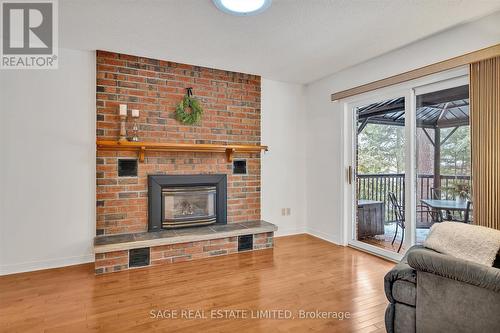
x: 401, y: 271
x: 427, y: 260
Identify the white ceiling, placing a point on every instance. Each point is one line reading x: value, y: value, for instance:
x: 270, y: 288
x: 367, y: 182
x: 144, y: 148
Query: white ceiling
x: 294, y: 41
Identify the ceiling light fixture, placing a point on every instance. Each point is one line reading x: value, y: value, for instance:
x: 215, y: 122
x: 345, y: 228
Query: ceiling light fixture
x: 242, y: 7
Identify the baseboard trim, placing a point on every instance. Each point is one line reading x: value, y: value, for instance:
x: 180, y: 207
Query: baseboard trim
x: 45, y: 264
x: 322, y: 235
x: 310, y: 232
x: 289, y: 232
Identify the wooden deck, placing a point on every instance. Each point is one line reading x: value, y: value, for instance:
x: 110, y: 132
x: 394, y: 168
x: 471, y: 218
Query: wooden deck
x: 384, y: 241
x: 301, y: 272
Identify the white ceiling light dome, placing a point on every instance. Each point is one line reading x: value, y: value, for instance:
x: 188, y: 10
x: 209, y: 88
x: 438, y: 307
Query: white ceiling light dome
x: 242, y: 7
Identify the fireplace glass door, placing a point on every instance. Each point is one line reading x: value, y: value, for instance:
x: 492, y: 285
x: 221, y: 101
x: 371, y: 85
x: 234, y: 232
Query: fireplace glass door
x: 189, y: 206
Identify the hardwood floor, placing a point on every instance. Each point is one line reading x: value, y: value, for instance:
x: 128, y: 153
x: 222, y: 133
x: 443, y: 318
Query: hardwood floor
x: 300, y: 273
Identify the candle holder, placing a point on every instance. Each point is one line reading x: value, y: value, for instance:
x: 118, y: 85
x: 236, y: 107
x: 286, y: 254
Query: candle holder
x: 135, y: 126
x: 123, y: 123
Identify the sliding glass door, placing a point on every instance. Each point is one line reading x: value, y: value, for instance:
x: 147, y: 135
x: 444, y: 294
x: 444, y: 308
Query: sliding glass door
x: 443, y: 155
x: 406, y: 146
x: 379, y: 180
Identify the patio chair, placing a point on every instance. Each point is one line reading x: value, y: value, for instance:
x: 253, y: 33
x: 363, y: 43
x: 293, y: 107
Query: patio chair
x: 437, y: 194
x: 435, y: 215
x: 400, y: 218
x: 468, y: 211
x: 467, y: 218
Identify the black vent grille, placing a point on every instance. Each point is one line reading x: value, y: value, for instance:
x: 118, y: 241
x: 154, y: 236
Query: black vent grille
x: 138, y: 257
x: 240, y: 167
x: 245, y: 243
x: 127, y: 168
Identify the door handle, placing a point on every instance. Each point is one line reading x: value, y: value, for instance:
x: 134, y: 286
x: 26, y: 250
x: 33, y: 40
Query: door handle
x: 349, y: 175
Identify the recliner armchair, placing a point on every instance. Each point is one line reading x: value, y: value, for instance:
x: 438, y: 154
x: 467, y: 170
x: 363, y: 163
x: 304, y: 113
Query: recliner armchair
x: 432, y: 292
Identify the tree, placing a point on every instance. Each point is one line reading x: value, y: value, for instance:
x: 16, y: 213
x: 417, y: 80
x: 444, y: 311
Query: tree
x: 381, y: 149
x: 455, y: 152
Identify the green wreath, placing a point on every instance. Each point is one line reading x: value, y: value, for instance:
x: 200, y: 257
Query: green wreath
x: 188, y: 118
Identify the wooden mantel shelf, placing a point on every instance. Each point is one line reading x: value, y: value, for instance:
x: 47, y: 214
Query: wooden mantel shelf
x: 142, y: 147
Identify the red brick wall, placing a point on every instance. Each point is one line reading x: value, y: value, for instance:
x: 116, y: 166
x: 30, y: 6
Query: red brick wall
x: 231, y: 103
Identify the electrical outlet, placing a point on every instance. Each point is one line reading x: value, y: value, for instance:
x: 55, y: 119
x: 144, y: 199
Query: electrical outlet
x: 288, y: 211
x: 283, y: 211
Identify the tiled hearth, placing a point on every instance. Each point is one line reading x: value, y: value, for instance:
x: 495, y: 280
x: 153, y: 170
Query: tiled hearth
x: 113, y: 253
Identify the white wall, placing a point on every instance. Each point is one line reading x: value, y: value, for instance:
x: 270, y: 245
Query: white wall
x: 325, y: 174
x: 47, y: 161
x: 283, y: 166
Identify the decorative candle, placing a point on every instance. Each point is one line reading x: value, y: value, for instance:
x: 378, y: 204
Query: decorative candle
x: 135, y: 128
x: 123, y: 109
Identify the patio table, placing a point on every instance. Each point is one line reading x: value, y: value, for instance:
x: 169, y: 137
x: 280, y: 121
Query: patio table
x: 447, y: 205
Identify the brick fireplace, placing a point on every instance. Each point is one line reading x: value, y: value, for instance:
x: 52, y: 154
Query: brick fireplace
x: 231, y: 103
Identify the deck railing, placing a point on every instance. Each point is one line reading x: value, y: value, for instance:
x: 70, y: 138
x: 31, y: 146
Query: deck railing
x: 378, y: 186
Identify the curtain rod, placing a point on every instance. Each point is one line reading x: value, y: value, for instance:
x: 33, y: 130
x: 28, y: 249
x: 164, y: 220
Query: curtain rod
x: 465, y: 59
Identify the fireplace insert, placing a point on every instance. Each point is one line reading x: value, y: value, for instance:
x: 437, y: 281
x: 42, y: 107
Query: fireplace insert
x: 190, y: 205
x: 177, y: 201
